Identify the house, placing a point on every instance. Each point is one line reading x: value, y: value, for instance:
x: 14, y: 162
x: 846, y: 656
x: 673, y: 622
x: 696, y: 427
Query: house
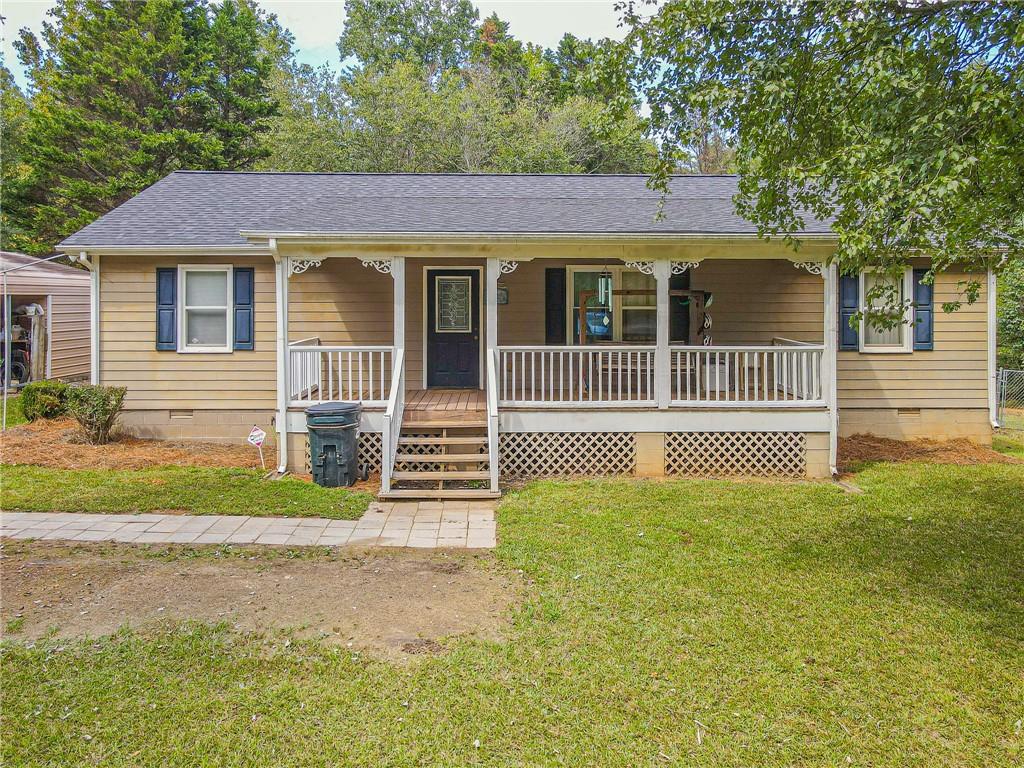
x: 47, y: 310
x: 515, y: 325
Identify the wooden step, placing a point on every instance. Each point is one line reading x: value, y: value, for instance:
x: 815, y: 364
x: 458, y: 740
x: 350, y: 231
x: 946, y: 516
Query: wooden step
x: 468, y: 424
x: 440, y: 493
x: 438, y: 440
x: 442, y: 458
x: 417, y: 474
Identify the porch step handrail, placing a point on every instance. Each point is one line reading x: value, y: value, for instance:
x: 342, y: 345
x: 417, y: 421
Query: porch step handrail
x: 577, y: 376
x: 320, y: 373
x: 393, y: 415
x: 780, y: 375
x: 302, y: 369
x: 492, y: 417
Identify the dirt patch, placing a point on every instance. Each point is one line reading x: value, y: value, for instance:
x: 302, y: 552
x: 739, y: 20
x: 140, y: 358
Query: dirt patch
x: 394, y: 603
x: 861, y: 448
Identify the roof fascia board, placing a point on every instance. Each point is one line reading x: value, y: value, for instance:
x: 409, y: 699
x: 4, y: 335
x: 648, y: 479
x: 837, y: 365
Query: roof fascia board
x: 404, y: 238
x: 171, y: 250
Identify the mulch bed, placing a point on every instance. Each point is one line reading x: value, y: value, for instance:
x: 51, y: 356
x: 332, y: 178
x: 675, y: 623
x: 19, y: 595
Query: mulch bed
x: 59, y: 444
x: 862, y: 448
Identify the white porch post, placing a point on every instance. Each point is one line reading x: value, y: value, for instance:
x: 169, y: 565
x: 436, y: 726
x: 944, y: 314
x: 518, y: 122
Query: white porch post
x: 662, y: 359
x: 993, y: 369
x: 398, y: 280
x: 830, y: 273
x: 491, y: 302
x: 281, y: 270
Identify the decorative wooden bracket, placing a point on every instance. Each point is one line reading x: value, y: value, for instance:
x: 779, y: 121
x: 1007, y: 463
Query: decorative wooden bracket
x: 298, y: 266
x: 508, y: 267
x: 381, y: 265
x: 814, y: 267
x: 643, y: 267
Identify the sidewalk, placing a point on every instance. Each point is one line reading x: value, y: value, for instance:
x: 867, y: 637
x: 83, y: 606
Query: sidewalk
x: 434, y: 524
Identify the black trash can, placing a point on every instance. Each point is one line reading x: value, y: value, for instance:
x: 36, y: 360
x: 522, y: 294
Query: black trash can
x: 334, y: 443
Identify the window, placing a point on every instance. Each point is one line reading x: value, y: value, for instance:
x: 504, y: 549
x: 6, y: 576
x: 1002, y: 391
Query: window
x: 453, y: 305
x: 205, y: 294
x: 897, y: 339
x: 618, y: 304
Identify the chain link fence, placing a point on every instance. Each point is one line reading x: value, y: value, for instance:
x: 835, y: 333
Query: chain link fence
x: 1010, y: 414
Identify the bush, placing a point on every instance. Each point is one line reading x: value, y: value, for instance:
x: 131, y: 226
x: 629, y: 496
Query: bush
x: 44, y: 400
x: 96, y: 409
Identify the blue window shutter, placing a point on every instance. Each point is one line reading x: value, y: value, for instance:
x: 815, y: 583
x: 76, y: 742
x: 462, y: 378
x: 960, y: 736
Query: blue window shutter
x: 167, y: 309
x: 849, y: 298
x: 554, y: 305
x: 924, y: 312
x: 244, y: 305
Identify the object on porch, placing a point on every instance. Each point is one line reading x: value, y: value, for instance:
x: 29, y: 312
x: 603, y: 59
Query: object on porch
x: 334, y: 443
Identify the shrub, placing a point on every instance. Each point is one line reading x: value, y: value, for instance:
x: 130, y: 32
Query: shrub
x: 44, y: 399
x: 96, y: 409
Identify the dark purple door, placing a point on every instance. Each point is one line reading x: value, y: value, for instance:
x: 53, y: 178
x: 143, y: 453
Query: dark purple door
x: 453, y: 328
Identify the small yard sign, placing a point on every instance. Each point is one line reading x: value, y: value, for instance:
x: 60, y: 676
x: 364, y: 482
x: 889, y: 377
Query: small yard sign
x: 256, y: 437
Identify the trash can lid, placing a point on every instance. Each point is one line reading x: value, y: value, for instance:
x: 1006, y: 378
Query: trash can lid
x: 333, y: 409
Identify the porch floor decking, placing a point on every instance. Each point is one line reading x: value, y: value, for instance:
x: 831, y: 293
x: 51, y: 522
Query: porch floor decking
x: 445, y: 405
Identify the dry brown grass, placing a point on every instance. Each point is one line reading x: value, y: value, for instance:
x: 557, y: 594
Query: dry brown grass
x: 862, y: 448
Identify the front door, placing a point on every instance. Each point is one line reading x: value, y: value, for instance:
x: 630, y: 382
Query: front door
x: 453, y: 328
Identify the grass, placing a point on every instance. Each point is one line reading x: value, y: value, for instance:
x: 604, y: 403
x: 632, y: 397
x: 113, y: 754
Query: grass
x: 692, y: 623
x: 200, y: 491
x: 1010, y: 442
x: 15, y: 415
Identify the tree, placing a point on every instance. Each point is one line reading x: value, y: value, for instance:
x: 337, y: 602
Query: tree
x: 434, y: 34
x: 308, y: 132
x: 903, y: 121
x: 1010, y: 299
x: 124, y: 93
x: 14, y: 112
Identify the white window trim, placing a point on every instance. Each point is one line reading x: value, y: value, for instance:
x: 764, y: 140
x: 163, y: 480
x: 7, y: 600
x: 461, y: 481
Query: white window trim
x: 618, y: 302
x: 183, y: 346
x: 908, y: 319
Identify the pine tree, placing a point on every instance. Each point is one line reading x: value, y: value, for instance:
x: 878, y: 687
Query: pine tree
x: 124, y: 93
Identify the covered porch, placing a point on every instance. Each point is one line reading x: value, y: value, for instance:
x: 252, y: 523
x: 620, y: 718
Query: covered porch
x: 460, y: 336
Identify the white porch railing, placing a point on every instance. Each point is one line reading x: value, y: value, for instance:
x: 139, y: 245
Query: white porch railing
x: 784, y: 375
x: 576, y: 376
x: 393, y: 415
x: 320, y: 374
x: 492, y: 417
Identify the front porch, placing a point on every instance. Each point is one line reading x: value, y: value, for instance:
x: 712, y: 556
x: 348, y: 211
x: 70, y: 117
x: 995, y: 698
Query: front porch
x: 748, y: 379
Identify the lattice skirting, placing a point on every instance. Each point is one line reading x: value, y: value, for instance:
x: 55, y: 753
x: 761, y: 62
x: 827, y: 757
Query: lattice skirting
x: 369, y: 452
x: 716, y: 454
x: 559, y: 454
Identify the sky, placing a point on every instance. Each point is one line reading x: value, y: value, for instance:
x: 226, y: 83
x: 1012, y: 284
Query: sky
x: 317, y: 24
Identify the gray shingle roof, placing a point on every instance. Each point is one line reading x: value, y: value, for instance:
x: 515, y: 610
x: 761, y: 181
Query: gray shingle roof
x: 211, y: 208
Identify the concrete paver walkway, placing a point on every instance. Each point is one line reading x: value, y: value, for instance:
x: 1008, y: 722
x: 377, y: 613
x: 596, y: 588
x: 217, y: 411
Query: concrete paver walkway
x: 460, y: 524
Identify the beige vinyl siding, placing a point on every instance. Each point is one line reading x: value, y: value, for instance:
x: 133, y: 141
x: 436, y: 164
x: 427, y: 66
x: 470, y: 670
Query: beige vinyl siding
x: 341, y: 302
x: 166, y: 379
x: 757, y: 300
x: 953, y: 375
x: 68, y: 291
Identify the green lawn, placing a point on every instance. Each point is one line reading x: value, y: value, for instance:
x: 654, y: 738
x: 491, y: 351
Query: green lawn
x: 677, y: 623
x: 1010, y: 442
x: 15, y: 415
x: 200, y: 491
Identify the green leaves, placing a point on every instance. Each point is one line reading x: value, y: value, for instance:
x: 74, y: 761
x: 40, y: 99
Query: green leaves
x: 902, y: 122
